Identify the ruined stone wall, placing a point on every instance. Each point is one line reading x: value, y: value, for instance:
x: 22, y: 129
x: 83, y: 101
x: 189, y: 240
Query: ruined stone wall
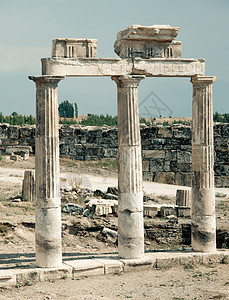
x: 166, y: 150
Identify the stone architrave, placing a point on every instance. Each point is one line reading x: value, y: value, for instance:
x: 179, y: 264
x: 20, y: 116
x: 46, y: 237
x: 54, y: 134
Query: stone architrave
x: 203, y: 195
x: 48, y: 210
x: 130, y: 202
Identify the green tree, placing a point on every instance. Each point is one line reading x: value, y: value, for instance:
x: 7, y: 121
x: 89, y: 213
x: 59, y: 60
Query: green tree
x: 76, y: 110
x: 66, y: 109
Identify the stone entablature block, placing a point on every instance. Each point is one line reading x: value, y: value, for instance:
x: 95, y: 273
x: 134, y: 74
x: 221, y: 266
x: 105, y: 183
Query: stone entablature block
x: 148, y: 42
x: 74, y: 48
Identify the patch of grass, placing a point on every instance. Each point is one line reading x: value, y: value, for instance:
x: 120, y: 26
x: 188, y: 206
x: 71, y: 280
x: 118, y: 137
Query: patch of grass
x: 0, y: 155
x: 109, y: 163
x: 197, y: 274
x: 220, y: 195
x: 225, y: 260
x: 163, y: 197
x: 117, y: 272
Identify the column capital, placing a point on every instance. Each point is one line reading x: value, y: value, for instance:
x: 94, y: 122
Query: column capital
x: 126, y: 81
x: 202, y: 80
x: 46, y: 79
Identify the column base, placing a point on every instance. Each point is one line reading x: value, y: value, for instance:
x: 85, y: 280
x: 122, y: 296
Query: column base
x: 130, y: 235
x: 48, y: 237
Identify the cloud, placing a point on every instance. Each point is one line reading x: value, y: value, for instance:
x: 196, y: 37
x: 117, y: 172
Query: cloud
x: 22, y: 59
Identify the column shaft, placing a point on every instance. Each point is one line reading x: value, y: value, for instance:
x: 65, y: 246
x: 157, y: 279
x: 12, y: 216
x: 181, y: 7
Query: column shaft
x: 130, y: 205
x: 203, y: 196
x: 48, y: 210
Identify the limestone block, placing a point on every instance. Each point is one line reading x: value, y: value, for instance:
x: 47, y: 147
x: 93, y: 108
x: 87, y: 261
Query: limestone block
x: 7, y: 278
x: 150, y: 210
x: 183, y: 179
x: 74, y: 48
x: 178, y: 67
x: 168, y: 210
x: 183, y: 211
x: 171, y: 155
x: 175, y: 67
x: 165, y: 177
x: 86, y: 267
x: 139, y: 264
x: 111, y: 266
x: 145, y: 166
x: 147, y: 154
x: 184, y: 157
x: 157, y: 165
x: 166, y: 262
x: 26, y: 276
x: 86, y: 66
x: 183, y: 198
x: 50, y: 274
x: 165, y: 132
x: 148, y: 41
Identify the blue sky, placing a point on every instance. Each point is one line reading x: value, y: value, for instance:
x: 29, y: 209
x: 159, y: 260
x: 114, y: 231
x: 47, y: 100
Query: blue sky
x: 28, y: 27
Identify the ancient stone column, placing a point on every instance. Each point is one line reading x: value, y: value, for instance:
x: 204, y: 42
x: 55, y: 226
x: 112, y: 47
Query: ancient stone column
x: 130, y: 202
x: 28, y: 185
x: 203, y: 195
x: 48, y: 210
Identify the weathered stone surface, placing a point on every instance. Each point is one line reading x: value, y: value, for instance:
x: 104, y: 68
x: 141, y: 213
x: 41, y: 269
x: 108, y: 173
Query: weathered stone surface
x: 174, y: 67
x: 183, y: 198
x: 203, y: 197
x: 148, y: 41
x: 28, y: 186
x: 48, y: 210
x: 104, y: 144
x: 130, y: 208
x: 86, y: 267
x: 74, y: 48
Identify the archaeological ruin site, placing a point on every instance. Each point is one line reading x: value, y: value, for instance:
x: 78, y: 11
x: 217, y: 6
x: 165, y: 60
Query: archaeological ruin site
x: 143, y: 51
x: 177, y: 155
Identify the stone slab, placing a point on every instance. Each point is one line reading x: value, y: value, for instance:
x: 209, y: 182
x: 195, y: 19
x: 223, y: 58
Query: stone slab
x: 64, y: 271
x: 160, y: 67
x: 139, y: 264
x: 7, y: 278
x: 100, y: 266
x: 86, y: 267
x: 27, y: 276
x: 111, y: 266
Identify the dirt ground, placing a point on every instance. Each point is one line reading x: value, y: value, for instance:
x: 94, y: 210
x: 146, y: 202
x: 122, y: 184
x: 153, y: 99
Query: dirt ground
x: 206, y: 282
x: 17, y: 243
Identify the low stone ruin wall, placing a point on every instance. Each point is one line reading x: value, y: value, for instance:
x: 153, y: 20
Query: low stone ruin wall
x: 166, y: 150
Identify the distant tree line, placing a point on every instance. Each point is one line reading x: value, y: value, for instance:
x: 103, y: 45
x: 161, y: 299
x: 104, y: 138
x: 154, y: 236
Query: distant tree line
x: 92, y: 120
x: 222, y: 118
x: 100, y: 120
x: 17, y: 119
